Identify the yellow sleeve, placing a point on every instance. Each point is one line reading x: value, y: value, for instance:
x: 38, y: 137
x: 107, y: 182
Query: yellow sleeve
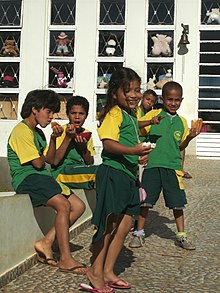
x: 90, y: 145
x: 22, y: 143
x: 186, y: 129
x: 110, y: 127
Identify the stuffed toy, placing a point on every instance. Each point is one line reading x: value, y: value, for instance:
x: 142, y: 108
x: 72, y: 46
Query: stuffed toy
x: 110, y: 47
x: 164, y: 79
x: 161, y: 45
x: 62, y: 44
x: 10, y: 48
x: 214, y: 16
x: 61, y: 78
x: 7, y: 81
x: 151, y: 83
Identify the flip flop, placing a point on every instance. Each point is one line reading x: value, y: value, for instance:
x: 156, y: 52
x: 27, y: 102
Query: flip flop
x: 77, y: 270
x: 41, y: 257
x: 117, y: 284
x: 103, y: 289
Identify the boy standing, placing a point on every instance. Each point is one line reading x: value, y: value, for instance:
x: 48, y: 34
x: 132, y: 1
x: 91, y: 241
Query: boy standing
x: 73, y: 165
x: 27, y: 154
x: 164, y: 168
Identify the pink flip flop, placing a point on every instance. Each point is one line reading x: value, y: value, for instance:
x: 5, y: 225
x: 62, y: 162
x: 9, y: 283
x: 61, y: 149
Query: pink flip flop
x: 119, y: 284
x: 103, y: 289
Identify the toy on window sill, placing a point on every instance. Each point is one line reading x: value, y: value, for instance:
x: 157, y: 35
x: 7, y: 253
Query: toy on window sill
x: 214, y: 16
x: 151, y: 83
x: 62, y: 44
x: 164, y: 78
x: 61, y: 78
x: 10, y: 48
x: 110, y: 47
x: 7, y: 81
x: 161, y: 45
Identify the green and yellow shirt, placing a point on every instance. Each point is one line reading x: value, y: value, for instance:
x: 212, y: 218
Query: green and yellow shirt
x: 71, y: 156
x: 119, y: 126
x: 168, y: 136
x: 25, y: 145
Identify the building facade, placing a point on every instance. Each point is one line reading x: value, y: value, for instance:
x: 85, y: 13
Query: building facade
x: 73, y: 46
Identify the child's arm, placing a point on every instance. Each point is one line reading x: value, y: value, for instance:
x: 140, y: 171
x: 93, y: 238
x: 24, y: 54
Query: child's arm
x: 83, y: 150
x: 155, y: 120
x: 196, y: 126
x: 52, y: 153
x: 114, y: 147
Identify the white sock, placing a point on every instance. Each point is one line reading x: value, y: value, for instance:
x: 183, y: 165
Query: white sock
x: 139, y: 233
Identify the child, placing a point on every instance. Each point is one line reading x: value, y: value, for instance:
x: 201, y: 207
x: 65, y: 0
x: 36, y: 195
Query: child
x: 27, y: 155
x: 148, y: 101
x: 73, y: 164
x: 117, y: 192
x: 163, y: 170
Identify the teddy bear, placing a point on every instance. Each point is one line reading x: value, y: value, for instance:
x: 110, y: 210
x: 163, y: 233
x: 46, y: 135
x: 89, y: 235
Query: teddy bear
x: 62, y: 44
x: 161, y: 45
x: 214, y: 16
x: 164, y: 78
x: 10, y: 48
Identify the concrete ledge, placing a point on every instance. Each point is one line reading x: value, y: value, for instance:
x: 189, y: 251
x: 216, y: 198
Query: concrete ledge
x: 21, y: 226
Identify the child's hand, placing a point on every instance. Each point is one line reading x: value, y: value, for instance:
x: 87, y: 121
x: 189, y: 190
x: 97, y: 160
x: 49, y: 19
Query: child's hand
x: 81, y: 142
x: 196, y: 126
x: 71, y: 131
x: 57, y: 129
x: 156, y: 120
x: 142, y: 160
x: 142, y: 150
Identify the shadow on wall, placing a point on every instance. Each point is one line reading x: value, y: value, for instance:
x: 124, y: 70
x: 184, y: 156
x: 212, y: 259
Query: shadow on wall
x: 5, y: 177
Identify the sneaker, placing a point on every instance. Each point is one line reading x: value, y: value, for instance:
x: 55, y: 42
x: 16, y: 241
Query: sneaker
x: 184, y: 243
x: 137, y: 241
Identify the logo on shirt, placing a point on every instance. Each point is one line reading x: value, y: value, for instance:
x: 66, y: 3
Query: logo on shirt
x: 177, y: 135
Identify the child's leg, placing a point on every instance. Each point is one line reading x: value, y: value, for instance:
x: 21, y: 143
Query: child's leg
x: 124, y: 224
x: 99, y: 250
x: 142, y: 218
x: 64, y: 218
x: 179, y: 218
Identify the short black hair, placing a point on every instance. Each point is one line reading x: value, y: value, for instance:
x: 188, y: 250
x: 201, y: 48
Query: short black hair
x: 79, y: 101
x: 150, y: 92
x: 171, y: 85
x: 39, y: 99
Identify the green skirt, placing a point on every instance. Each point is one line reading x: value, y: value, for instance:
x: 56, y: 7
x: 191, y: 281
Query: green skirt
x: 116, y: 193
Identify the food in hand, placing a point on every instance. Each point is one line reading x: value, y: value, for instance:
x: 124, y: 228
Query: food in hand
x: 53, y: 124
x: 77, y: 125
x: 197, y: 124
x: 86, y: 135
x: 147, y: 144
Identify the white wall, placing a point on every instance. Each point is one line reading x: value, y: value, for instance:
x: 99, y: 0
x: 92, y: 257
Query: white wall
x: 34, y: 52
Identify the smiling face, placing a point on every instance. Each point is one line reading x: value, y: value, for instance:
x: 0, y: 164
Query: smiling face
x: 77, y: 115
x: 172, y: 100
x: 129, y: 98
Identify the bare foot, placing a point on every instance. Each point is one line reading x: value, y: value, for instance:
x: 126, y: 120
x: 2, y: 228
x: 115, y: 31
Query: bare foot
x: 96, y: 281
x: 71, y: 265
x: 45, y: 253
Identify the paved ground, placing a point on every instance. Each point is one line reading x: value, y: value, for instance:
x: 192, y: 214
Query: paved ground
x: 159, y: 267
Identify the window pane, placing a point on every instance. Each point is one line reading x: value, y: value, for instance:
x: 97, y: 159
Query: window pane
x: 8, y: 106
x: 63, y: 12
x: 161, y: 12
x: 62, y: 43
x: 10, y: 43
x: 159, y: 70
x: 208, y: 11
x: 155, y: 50
x: 61, y: 74
x: 9, y: 74
x: 10, y: 13
x: 111, y: 43
x: 112, y: 12
x: 105, y: 71
x: 63, y: 100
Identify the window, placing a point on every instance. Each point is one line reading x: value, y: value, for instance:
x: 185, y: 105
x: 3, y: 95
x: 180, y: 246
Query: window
x: 10, y: 39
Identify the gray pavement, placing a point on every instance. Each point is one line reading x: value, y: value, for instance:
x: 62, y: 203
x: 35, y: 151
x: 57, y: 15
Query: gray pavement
x: 160, y: 266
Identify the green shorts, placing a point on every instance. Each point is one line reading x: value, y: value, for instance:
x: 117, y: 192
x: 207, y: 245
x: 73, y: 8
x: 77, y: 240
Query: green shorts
x: 116, y: 193
x: 78, y: 177
x: 169, y: 181
x: 40, y: 188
